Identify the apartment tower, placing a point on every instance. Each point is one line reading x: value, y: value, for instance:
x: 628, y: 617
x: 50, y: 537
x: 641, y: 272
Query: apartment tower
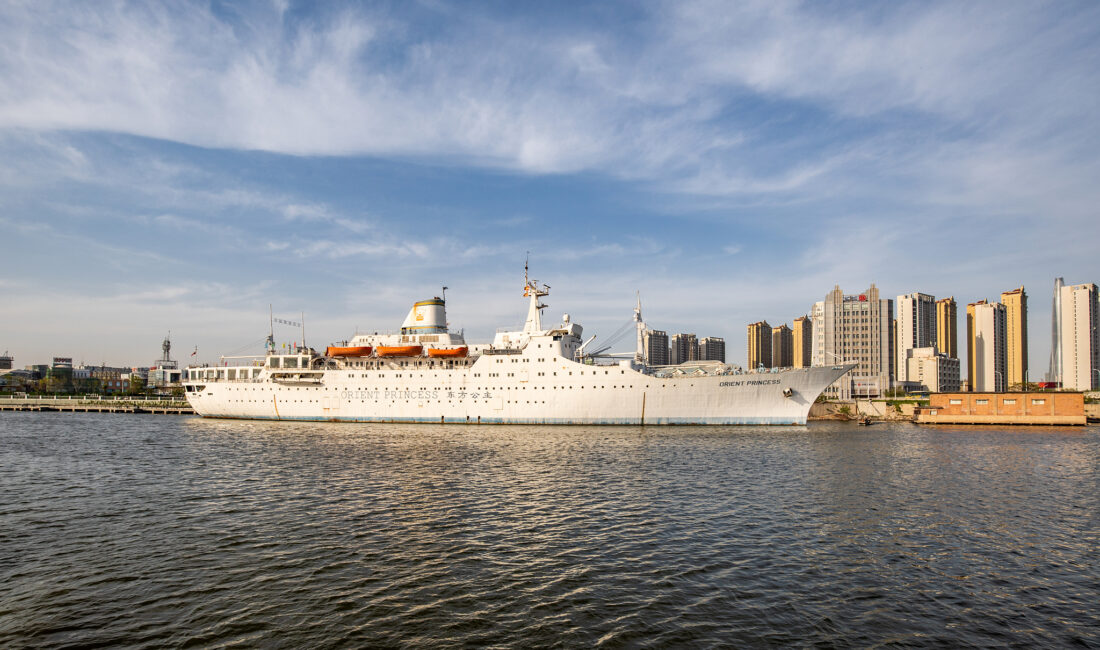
x: 760, y: 345
x: 1080, y: 337
x: 683, y: 348
x: 802, y: 342
x: 947, y: 327
x: 1015, y: 303
x: 985, y: 333
x: 916, y: 328
x: 656, y: 347
x: 782, y: 347
x: 712, y: 348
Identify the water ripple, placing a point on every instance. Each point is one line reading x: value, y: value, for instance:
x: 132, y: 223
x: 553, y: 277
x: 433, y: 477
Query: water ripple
x: 133, y: 531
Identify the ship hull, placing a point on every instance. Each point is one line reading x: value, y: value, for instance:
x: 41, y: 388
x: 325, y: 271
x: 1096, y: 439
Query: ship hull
x: 565, y: 393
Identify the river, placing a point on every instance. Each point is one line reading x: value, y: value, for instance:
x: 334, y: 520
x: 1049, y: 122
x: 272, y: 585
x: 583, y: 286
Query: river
x: 153, y: 531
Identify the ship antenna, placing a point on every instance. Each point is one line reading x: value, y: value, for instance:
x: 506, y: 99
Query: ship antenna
x: 444, y: 294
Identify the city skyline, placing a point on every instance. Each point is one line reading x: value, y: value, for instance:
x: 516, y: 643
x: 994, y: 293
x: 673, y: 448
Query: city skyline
x: 181, y: 167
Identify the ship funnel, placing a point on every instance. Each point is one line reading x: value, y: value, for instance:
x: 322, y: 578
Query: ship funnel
x: 426, y: 317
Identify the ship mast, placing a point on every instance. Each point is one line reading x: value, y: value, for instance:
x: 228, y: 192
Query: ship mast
x: 640, y: 352
x: 534, y: 310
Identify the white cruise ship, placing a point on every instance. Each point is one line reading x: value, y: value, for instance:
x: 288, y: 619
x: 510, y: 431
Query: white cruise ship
x: 535, y: 375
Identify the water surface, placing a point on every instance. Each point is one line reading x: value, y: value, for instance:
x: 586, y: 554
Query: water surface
x: 147, y: 531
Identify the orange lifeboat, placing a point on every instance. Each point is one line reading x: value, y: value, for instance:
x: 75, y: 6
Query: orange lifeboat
x: 399, y: 350
x: 353, y: 351
x: 447, y: 353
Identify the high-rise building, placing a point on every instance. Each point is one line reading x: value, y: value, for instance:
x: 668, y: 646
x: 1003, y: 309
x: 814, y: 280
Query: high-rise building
x: 656, y: 347
x: 712, y: 348
x: 817, y: 324
x: 802, y: 342
x: 916, y: 328
x: 947, y: 327
x: 782, y: 344
x: 683, y: 348
x: 985, y: 334
x: 1054, y: 373
x: 760, y: 345
x: 856, y: 328
x: 934, y: 371
x: 1015, y: 303
x: 1080, y: 337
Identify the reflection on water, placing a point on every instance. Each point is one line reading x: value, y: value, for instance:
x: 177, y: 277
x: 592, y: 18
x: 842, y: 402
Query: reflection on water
x: 137, y: 530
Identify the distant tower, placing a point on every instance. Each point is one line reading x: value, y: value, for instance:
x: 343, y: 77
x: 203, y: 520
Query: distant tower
x: 1054, y: 374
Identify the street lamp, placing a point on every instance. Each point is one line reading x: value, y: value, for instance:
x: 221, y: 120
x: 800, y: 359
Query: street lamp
x: 997, y: 373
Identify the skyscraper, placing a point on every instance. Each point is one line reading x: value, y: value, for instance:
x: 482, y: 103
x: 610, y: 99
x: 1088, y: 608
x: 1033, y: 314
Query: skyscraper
x: 1015, y: 303
x: 760, y: 345
x: 1054, y: 373
x: 656, y: 347
x: 782, y: 343
x: 1080, y: 337
x: 947, y: 327
x: 856, y: 328
x: 916, y: 328
x: 712, y: 348
x: 802, y: 342
x: 985, y: 333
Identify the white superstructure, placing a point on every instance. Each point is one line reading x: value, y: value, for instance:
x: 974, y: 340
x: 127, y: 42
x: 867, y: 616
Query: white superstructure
x: 536, y: 375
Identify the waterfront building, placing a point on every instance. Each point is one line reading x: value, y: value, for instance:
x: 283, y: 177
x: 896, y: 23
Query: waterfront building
x: 985, y: 334
x: 1080, y: 337
x: 760, y: 345
x: 6, y: 361
x: 932, y: 371
x: 712, y: 348
x: 1015, y: 303
x: 684, y: 348
x: 916, y: 328
x: 1004, y: 408
x: 947, y: 327
x: 656, y: 347
x: 802, y: 342
x: 856, y: 328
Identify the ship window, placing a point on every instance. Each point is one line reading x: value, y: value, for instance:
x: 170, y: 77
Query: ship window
x: 232, y: 374
x: 273, y: 362
x: 290, y: 362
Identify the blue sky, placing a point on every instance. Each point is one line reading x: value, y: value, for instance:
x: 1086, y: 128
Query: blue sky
x: 181, y: 166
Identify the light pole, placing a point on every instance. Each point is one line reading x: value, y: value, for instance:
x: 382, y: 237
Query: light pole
x: 998, y: 373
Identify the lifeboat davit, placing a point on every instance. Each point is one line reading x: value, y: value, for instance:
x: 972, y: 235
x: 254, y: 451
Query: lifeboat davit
x: 399, y: 350
x: 448, y: 353
x: 353, y: 351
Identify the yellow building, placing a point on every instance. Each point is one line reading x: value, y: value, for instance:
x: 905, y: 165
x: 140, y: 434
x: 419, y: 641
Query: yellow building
x: 802, y: 342
x: 1015, y: 303
x: 760, y: 345
x: 947, y: 335
x: 782, y: 347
